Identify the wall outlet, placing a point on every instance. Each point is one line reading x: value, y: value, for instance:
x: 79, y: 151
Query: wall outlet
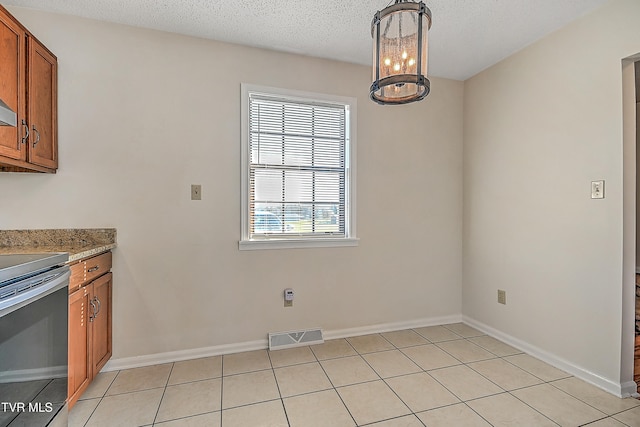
x: 196, y: 192
x: 288, y: 303
x: 502, y: 296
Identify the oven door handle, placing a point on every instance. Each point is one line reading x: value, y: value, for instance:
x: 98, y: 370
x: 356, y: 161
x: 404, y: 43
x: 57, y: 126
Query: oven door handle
x: 58, y: 279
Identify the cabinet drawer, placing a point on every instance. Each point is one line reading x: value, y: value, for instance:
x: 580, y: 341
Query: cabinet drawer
x: 88, y: 269
x: 77, y: 276
x: 97, y: 266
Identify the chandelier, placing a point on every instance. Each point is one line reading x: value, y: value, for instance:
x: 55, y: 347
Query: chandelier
x: 400, y: 50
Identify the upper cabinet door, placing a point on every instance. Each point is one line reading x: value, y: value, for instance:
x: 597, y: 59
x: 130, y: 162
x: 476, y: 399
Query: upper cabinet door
x: 43, y: 105
x: 12, y: 81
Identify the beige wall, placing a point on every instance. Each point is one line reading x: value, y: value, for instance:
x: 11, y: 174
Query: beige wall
x: 144, y: 114
x: 539, y: 127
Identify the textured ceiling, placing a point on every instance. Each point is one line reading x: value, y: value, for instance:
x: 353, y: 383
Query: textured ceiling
x: 467, y: 36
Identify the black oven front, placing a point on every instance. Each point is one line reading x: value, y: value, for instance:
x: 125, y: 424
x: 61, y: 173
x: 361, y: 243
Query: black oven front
x: 33, y: 340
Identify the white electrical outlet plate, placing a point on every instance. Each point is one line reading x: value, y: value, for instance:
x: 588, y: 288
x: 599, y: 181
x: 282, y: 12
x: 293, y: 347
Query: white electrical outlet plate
x: 502, y: 296
x: 597, y: 189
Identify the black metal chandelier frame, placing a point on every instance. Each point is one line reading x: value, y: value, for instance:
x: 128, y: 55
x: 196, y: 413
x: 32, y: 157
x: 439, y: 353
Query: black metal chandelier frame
x: 419, y: 79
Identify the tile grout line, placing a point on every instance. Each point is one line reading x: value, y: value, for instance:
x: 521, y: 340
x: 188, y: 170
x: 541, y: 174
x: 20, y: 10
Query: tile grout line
x: 422, y: 370
x: 275, y: 379
x: 466, y: 364
x: 373, y: 423
x: 601, y: 419
x: 622, y: 412
x: 506, y: 391
x: 476, y: 412
x: 415, y: 414
x: 444, y: 367
x: 385, y: 382
x: 461, y: 361
x: 534, y: 409
x: 541, y: 379
x: 101, y: 398
x: 445, y: 387
x: 412, y: 412
x: 164, y: 391
x: 469, y: 400
x: 335, y: 389
x: 551, y: 383
x: 606, y: 415
x: 544, y: 382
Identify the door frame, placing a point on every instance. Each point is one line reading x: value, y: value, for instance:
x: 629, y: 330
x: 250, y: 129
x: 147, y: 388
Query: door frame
x: 629, y: 167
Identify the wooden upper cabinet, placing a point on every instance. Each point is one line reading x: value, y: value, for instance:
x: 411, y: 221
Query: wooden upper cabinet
x: 42, y: 116
x: 28, y: 85
x: 12, y: 83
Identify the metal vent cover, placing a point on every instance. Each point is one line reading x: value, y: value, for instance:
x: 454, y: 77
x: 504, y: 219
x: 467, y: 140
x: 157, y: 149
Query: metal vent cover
x: 282, y: 340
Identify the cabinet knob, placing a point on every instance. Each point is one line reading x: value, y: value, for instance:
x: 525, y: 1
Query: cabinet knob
x: 92, y: 269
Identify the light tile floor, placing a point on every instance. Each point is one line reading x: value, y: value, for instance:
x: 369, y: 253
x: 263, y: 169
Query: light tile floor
x: 450, y: 375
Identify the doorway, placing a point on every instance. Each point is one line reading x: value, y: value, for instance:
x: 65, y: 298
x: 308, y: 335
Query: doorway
x: 636, y: 364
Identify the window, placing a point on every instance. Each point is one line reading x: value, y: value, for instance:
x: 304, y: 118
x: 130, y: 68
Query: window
x: 297, y: 169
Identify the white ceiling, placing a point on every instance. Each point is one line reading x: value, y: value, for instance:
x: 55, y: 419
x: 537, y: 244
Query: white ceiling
x: 467, y: 36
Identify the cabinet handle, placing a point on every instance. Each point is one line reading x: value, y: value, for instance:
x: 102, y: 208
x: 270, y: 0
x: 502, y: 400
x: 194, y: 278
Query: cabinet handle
x: 93, y: 306
x: 26, y: 129
x: 99, y: 306
x: 92, y: 269
x: 37, y: 136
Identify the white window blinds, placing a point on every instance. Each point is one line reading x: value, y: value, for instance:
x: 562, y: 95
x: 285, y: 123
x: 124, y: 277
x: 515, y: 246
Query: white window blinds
x: 298, y: 162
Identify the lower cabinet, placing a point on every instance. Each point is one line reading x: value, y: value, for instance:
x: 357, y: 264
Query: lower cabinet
x: 101, y: 327
x: 80, y: 372
x: 89, y: 326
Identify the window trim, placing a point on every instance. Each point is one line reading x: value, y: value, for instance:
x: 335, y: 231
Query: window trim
x: 279, y: 242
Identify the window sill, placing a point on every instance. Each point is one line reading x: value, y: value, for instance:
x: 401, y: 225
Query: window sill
x: 250, y: 245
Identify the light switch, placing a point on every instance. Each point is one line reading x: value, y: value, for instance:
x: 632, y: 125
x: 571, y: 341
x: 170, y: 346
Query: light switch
x: 597, y: 189
x: 196, y: 192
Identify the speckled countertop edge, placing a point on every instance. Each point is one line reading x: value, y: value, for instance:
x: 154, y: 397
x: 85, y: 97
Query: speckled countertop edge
x: 78, y: 243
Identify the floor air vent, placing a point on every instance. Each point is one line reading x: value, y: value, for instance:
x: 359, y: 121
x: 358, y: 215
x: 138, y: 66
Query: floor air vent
x: 281, y: 340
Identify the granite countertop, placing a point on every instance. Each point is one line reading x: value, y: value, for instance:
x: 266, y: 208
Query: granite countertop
x: 79, y: 243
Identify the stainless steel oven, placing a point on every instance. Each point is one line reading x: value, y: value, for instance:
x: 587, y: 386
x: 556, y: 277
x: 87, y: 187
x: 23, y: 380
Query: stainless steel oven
x: 33, y: 339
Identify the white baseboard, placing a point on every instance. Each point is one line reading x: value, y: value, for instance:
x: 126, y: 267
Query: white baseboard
x: 390, y: 327
x: 176, y: 356
x: 621, y: 390
x: 630, y: 388
x: 33, y: 374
